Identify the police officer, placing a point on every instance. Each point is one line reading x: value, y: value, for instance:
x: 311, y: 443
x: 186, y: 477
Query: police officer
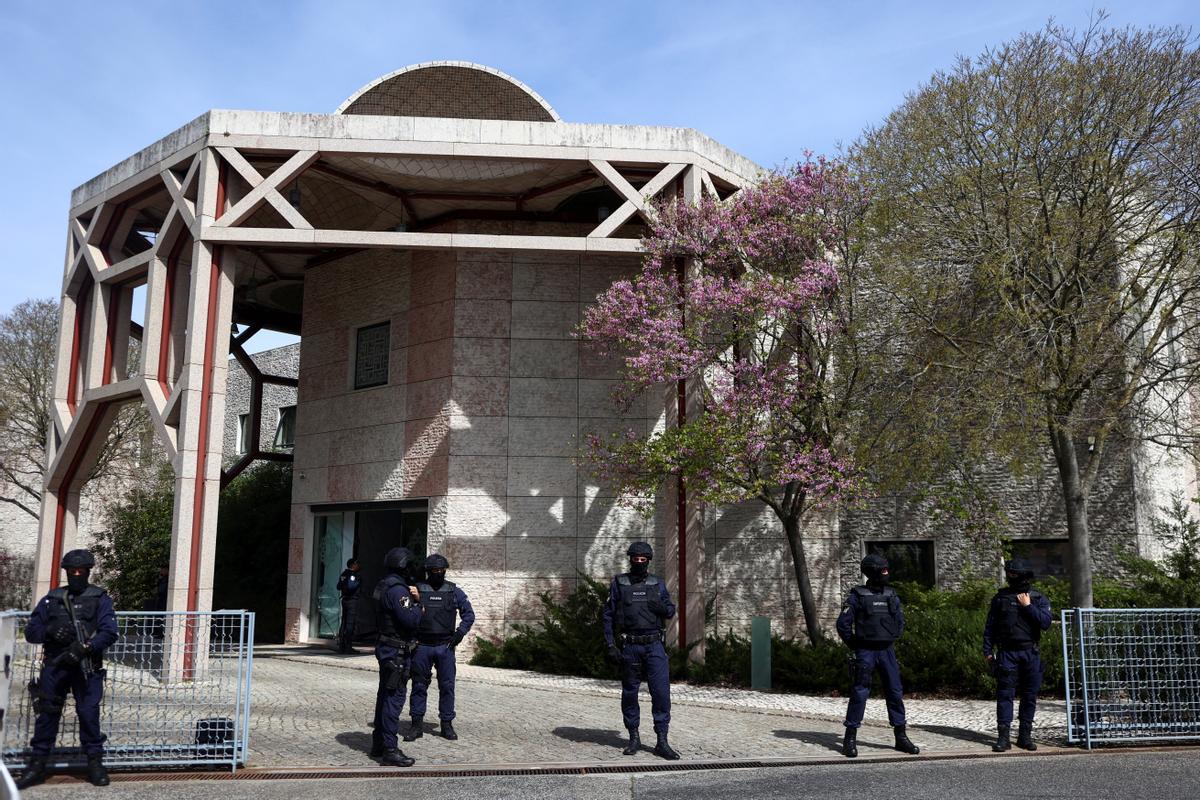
x: 638, y: 602
x: 1015, y: 621
x: 444, y: 604
x: 74, y: 624
x: 870, y: 622
x: 397, y: 615
x: 348, y: 584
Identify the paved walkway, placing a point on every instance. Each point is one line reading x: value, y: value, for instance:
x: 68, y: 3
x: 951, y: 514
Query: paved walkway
x: 310, y: 708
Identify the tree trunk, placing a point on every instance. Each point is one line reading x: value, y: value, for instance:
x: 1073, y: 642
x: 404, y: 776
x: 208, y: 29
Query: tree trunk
x: 812, y: 623
x: 1076, y: 502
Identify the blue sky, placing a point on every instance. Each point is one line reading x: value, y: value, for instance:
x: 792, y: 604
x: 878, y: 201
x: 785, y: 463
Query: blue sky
x: 85, y: 84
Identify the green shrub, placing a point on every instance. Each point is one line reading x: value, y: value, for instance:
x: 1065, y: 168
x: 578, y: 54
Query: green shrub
x: 567, y: 642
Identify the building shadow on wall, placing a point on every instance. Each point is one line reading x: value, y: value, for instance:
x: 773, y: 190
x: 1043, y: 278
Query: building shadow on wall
x: 601, y: 736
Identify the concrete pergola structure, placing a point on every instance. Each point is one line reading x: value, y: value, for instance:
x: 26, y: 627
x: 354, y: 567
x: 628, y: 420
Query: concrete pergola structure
x: 226, y: 221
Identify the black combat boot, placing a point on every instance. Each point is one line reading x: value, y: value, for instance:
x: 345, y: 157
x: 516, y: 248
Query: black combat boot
x: 903, y: 743
x: 414, y: 731
x: 663, y: 749
x: 97, y: 774
x: 34, y: 774
x: 850, y: 743
x: 1002, y: 742
x: 376, y: 746
x: 448, y: 730
x: 1025, y: 737
x: 396, y: 758
x: 635, y: 743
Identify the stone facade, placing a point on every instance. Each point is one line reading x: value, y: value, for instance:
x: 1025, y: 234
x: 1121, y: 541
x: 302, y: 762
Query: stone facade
x: 488, y: 396
x: 280, y: 361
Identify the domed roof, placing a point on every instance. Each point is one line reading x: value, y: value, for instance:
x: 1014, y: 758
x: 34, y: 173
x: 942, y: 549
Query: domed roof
x: 457, y: 89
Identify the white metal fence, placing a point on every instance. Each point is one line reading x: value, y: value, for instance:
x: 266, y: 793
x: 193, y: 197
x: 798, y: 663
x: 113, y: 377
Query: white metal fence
x: 176, y: 691
x: 1131, y: 674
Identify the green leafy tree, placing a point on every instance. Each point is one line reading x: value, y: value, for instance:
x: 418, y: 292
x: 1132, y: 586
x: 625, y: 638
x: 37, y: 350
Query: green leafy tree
x: 252, y: 546
x: 1036, y: 212
x: 136, y: 541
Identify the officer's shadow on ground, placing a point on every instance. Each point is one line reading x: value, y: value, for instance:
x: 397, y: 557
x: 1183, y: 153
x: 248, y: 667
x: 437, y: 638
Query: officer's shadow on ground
x: 602, y: 736
x: 833, y: 741
x: 355, y: 740
x: 962, y: 734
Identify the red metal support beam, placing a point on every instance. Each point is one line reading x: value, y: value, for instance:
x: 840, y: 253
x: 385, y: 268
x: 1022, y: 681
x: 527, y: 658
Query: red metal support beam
x: 681, y: 509
x: 164, y: 341
x: 65, y: 487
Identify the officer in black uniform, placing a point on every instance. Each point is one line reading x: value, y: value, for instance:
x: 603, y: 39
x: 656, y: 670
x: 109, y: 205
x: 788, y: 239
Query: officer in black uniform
x: 638, y: 602
x: 870, y: 622
x: 1015, y: 621
x: 397, y: 615
x: 444, y: 605
x: 74, y: 624
x: 348, y: 584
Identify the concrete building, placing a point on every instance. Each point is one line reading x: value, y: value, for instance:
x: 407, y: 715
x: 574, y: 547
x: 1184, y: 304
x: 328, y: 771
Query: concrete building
x: 433, y: 243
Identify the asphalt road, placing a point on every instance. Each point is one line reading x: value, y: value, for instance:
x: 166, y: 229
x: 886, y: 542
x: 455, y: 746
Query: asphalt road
x: 1128, y: 775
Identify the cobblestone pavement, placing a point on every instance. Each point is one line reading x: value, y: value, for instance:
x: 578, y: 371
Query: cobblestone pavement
x: 311, y: 707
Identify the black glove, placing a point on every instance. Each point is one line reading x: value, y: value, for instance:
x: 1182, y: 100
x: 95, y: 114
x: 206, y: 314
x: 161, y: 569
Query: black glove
x: 456, y: 638
x: 74, y: 655
x: 614, y: 654
x: 657, y: 607
x: 60, y: 633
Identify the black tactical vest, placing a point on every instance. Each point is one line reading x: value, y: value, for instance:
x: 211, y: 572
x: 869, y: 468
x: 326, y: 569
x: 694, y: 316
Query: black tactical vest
x: 385, y: 621
x: 87, y: 613
x: 1015, y: 630
x: 440, y: 619
x: 636, y: 615
x: 873, y: 620
x: 350, y: 584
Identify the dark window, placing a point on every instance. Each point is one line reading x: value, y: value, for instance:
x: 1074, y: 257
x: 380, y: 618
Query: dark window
x: 907, y: 561
x: 285, y: 431
x: 1051, y: 558
x: 371, y: 356
x: 243, y: 433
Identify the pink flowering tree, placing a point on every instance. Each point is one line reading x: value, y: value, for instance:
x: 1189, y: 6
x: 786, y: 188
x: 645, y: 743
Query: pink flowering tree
x: 744, y: 299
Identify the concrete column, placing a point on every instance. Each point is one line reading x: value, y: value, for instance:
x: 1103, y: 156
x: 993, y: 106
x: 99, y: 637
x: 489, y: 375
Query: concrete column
x: 205, y: 364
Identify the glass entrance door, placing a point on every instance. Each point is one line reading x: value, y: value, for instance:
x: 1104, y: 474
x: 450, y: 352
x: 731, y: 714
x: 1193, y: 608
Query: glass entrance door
x: 364, y: 532
x: 334, y: 542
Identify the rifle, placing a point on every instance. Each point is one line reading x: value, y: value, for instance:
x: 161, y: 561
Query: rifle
x: 85, y: 662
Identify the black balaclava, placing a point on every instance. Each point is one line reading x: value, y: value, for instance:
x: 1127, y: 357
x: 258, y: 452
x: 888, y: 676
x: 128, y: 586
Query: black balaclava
x: 639, y: 570
x: 77, y: 583
x: 1019, y: 574
x: 875, y: 567
x: 435, y: 570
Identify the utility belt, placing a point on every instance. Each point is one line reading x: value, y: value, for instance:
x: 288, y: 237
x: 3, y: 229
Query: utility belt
x: 1018, y: 646
x: 429, y: 641
x: 404, y: 646
x: 641, y: 638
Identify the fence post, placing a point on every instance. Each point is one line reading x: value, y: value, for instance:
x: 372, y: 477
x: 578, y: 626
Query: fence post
x: 8, y: 647
x: 1064, y: 621
x: 760, y: 653
x: 1087, y: 723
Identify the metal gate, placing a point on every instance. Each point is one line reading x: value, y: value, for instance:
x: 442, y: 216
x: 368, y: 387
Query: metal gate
x: 1131, y: 674
x: 176, y: 691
